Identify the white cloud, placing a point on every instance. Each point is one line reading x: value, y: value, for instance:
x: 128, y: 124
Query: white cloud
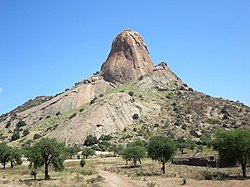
x: 1, y: 89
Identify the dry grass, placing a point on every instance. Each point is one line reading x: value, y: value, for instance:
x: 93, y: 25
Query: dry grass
x: 149, y: 174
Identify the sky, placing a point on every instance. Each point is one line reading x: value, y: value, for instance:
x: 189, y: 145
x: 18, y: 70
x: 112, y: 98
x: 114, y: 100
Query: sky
x: 48, y: 45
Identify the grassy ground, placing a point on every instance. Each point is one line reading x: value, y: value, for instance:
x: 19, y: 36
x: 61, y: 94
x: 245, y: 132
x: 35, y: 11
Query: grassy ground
x: 147, y: 174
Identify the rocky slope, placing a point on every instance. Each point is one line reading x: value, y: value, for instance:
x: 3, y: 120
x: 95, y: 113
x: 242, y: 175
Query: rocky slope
x: 129, y: 98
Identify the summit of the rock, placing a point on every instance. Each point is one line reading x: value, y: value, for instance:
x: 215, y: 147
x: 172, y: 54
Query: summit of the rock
x: 128, y: 59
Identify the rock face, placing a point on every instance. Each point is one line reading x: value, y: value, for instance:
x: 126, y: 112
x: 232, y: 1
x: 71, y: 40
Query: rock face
x: 107, y: 116
x: 71, y: 99
x: 128, y: 59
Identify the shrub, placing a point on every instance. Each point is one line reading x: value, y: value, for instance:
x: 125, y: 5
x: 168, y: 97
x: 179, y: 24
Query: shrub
x: 21, y: 124
x: 26, y: 132
x: 184, y: 126
x: 104, y: 137
x: 131, y: 93
x: 8, y: 124
x: 90, y: 140
x: 36, y: 136
x: 93, y: 100
x: 15, y: 135
x: 48, y: 116
x: 73, y: 115
x: 81, y: 109
x: 82, y: 162
x: 135, y: 116
x: 58, y: 113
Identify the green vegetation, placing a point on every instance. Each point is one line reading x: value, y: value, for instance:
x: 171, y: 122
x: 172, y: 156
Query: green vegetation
x: 88, y: 152
x: 47, y: 152
x: 161, y: 149
x: 90, y: 140
x: 10, y: 154
x: 82, y: 162
x: 233, y: 146
x: 133, y: 153
x: 15, y: 135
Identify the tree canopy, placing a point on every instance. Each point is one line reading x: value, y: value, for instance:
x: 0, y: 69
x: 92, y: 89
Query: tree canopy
x: 133, y: 153
x: 161, y: 149
x: 47, y: 152
x: 233, y: 146
x: 88, y: 152
x: 10, y: 154
x: 90, y: 140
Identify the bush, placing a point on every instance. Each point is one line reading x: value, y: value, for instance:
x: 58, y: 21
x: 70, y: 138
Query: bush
x: 8, y: 124
x: 184, y: 126
x: 26, y: 132
x: 48, y: 116
x: 21, y: 124
x: 131, y: 93
x: 73, y: 115
x: 58, y: 113
x: 90, y: 140
x: 81, y: 109
x: 93, y: 100
x: 135, y: 116
x: 15, y: 135
x: 36, y: 136
x: 104, y: 137
x: 82, y: 162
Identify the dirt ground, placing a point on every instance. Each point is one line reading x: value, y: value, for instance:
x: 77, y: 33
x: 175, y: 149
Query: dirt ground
x: 112, y: 172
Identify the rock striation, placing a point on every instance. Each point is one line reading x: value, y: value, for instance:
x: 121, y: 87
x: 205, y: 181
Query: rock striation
x: 128, y: 59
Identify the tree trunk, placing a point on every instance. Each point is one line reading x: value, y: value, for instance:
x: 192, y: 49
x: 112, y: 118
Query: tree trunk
x: 244, y: 168
x: 134, y: 160
x: 12, y: 164
x: 4, y: 165
x: 46, y: 171
x: 163, y: 167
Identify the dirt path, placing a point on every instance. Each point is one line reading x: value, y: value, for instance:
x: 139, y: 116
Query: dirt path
x: 114, y: 180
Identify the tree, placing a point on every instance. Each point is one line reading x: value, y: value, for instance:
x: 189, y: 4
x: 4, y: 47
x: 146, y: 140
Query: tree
x: 233, y: 146
x: 71, y: 151
x: 10, y: 154
x: 88, y: 152
x: 90, y: 140
x: 133, y: 153
x: 47, y: 152
x: 15, y: 156
x: 4, y: 154
x: 161, y: 149
x: 116, y: 149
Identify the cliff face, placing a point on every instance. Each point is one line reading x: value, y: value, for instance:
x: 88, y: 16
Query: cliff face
x: 128, y: 59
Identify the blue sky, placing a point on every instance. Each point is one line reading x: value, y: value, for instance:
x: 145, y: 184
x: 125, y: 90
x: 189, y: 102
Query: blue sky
x: 48, y: 45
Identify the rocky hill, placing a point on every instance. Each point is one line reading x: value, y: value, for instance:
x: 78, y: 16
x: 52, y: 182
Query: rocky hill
x: 129, y: 98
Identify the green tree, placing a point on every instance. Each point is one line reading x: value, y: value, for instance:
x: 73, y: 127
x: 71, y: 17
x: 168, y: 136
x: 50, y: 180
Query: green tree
x: 161, y: 149
x: 133, y: 153
x: 88, y: 152
x: 233, y: 146
x: 15, y: 156
x: 116, y: 149
x: 5, y: 152
x: 47, y: 152
x: 10, y: 154
x: 72, y: 151
x: 90, y: 140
